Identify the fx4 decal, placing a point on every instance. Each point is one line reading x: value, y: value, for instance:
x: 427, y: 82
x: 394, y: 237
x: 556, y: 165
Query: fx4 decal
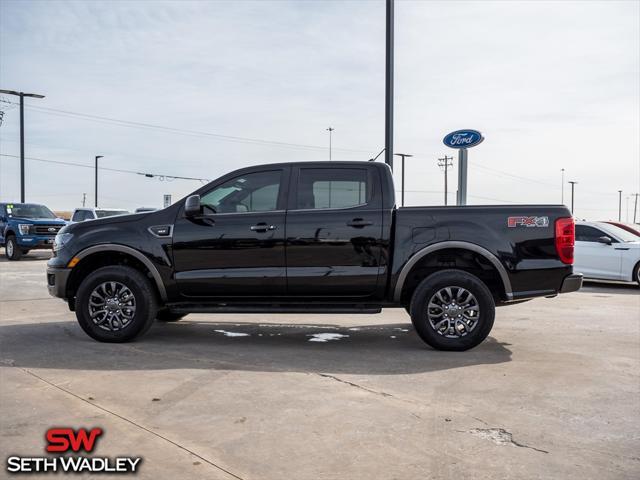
x: 513, y: 222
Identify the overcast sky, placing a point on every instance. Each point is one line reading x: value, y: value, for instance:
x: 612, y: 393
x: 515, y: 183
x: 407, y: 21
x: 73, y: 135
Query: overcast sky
x: 551, y: 85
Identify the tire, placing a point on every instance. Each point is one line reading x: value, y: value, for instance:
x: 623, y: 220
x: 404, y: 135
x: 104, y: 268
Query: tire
x: 11, y: 248
x: 167, y: 316
x: 130, y: 318
x: 471, y: 325
x: 636, y: 274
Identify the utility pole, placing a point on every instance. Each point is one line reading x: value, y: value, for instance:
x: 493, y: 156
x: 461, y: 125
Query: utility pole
x: 403, y: 155
x: 445, y: 163
x: 84, y: 198
x: 330, y: 129
x: 96, y: 188
x: 388, y: 91
x: 562, y: 183
x: 22, y: 95
x: 635, y: 208
x: 619, y: 205
x: 573, y: 184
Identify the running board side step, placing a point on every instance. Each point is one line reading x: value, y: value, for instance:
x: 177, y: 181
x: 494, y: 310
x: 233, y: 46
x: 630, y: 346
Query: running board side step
x: 272, y: 308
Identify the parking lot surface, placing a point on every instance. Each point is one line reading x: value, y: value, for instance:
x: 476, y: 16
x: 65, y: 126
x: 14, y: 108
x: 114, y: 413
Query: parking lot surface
x: 553, y: 393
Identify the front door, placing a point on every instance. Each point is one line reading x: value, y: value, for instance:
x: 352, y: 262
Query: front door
x: 236, y: 249
x: 593, y: 258
x: 334, y: 230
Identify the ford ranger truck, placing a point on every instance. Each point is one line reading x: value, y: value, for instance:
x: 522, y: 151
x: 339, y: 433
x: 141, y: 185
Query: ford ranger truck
x: 27, y: 226
x: 312, y: 237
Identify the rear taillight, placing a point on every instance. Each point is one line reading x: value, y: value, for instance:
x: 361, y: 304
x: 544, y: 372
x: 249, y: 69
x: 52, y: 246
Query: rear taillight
x: 565, y: 239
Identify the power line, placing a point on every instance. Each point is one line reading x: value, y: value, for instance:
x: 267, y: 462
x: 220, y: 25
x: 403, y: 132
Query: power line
x: 184, y: 131
x: 161, y: 177
x: 249, y: 140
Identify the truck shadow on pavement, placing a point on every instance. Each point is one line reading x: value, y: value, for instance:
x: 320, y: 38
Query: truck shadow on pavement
x: 389, y: 349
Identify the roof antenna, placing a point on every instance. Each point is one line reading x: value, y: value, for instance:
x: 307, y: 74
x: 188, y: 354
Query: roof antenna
x: 376, y: 157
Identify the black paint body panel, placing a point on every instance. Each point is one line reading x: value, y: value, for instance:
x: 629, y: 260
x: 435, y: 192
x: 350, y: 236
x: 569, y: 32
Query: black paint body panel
x: 316, y: 255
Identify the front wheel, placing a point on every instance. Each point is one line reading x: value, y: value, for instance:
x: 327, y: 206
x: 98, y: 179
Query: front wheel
x: 11, y: 248
x: 115, y: 304
x: 452, y: 310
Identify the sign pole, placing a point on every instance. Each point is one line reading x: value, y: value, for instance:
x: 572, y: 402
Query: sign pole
x: 462, y: 176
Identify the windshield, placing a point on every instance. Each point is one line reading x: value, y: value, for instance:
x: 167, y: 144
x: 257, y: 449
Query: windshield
x: 29, y: 210
x: 622, y: 234
x: 110, y: 213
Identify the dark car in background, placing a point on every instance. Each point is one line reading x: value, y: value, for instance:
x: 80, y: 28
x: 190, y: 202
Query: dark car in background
x: 27, y: 226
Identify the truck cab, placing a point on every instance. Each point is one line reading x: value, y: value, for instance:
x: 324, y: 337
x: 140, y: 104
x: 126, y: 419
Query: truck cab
x: 27, y: 226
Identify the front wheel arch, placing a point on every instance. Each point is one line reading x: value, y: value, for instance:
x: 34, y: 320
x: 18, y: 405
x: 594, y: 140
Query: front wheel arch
x: 104, y: 258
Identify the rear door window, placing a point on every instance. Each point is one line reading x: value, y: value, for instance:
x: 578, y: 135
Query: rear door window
x: 320, y: 188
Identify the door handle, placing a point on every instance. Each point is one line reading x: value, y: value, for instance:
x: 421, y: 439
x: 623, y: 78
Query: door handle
x: 262, y: 227
x: 359, y: 223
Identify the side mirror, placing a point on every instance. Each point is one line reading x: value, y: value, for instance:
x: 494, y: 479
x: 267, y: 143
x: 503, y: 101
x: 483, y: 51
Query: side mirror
x: 192, y: 206
x: 605, y: 240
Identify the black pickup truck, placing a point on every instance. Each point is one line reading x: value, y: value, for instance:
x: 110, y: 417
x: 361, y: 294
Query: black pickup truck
x: 312, y: 237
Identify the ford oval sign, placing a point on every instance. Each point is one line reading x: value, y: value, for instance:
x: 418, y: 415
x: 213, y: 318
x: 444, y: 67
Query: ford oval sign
x: 463, y: 139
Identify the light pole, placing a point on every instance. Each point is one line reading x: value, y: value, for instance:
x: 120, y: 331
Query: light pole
x: 562, y: 183
x: 330, y: 129
x: 619, y: 205
x: 403, y: 156
x: 573, y: 184
x: 388, y: 88
x: 98, y: 157
x: 22, y: 95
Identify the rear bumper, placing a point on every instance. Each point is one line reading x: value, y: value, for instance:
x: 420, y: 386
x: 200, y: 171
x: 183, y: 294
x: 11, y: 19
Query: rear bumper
x: 57, y: 281
x: 571, y: 283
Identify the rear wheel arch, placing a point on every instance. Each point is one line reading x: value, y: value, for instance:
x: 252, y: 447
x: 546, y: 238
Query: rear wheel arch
x: 463, y: 256
x: 112, y: 255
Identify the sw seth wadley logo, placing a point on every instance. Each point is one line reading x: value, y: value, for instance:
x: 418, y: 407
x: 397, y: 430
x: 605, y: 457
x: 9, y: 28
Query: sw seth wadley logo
x: 64, y: 441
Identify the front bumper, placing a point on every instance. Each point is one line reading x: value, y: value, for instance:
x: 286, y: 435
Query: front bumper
x: 35, y: 242
x: 571, y: 283
x: 57, y: 281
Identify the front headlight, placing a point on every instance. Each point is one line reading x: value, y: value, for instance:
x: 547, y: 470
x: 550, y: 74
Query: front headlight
x: 61, y: 240
x: 24, y: 228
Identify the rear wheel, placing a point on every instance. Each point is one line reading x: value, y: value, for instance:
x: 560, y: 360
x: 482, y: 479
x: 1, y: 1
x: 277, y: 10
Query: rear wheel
x: 636, y: 274
x: 452, y: 310
x: 167, y: 316
x: 11, y: 248
x: 115, y: 304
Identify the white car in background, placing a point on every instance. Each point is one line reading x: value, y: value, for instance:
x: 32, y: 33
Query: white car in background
x: 606, y: 252
x: 82, y: 214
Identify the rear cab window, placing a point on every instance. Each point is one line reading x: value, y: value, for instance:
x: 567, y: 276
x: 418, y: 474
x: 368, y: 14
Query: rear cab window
x: 329, y: 188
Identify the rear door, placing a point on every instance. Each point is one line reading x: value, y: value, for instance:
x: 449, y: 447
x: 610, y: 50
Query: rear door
x: 593, y: 258
x: 334, y: 232
x: 237, y: 249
